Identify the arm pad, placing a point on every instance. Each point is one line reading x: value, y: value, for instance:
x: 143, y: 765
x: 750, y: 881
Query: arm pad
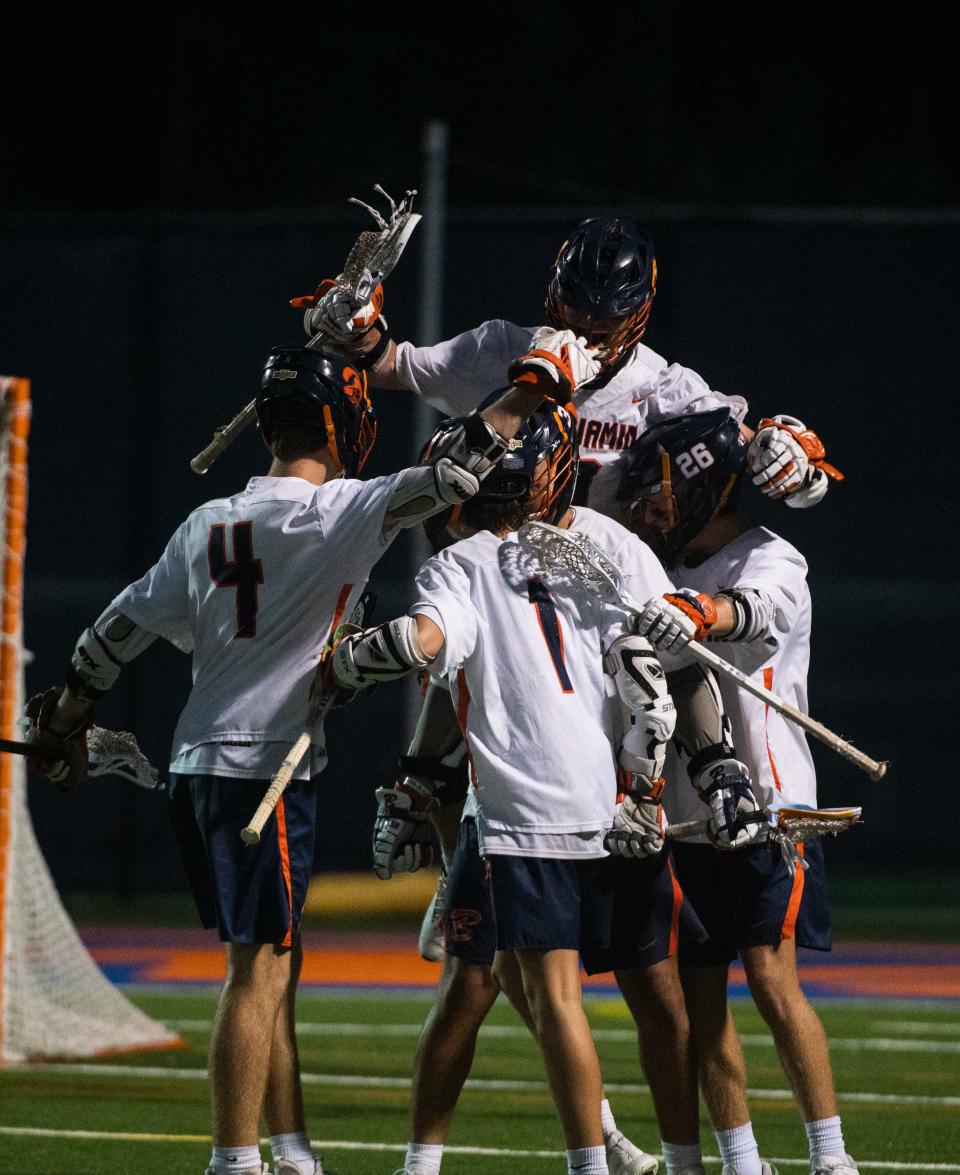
x: 753, y: 613
x: 384, y: 653
x: 101, y: 652
x: 647, y: 716
x: 424, y: 490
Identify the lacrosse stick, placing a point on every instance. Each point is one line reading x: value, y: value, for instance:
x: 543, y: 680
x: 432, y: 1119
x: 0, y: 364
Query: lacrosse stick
x: 371, y: 259
x: 591, y: 569
x: 787, y: 827
x: 111, y: 752
x: 319, y: 708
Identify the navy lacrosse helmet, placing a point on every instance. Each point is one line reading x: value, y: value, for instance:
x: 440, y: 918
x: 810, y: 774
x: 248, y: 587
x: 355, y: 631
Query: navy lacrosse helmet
x: 540, y: 464
x: 681, y: 474
x: 603, y: 283
x: 318, y: 389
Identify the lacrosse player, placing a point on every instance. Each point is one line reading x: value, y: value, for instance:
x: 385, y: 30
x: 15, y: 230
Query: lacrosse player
x: 538, y: 703
x: 253, y: 585
x: 602, y: 287
x: 745, y: 588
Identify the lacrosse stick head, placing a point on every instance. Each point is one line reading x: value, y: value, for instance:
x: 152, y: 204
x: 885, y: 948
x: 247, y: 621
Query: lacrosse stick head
x: 790, y: 826
x: 374, y: 254
x: 572, y: 556
x: 115, y: 752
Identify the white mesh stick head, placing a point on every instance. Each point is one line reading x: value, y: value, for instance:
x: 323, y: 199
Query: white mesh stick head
x: 575, y: 557
x: 374, y: 254
x: 115, y: 752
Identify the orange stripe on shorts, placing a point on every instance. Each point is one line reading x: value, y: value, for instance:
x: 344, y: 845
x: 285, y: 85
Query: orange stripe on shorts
x: 675, y: 915
x: 796, y: 897
x: 285, y: 867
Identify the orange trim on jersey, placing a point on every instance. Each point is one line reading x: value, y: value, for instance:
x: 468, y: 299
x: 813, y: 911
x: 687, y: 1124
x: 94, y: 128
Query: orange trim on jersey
x: 768, y: 684
x: 285, y: 867
x: 675, y: 914
x: 463, y: 704
x: 796, y: 897
x: 15, y: 396
x: 340, y: 608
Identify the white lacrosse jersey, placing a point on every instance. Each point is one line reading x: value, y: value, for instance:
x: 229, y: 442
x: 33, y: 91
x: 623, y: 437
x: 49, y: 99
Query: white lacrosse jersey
x: 775, y: 749
x: 455, y: 376
x: 252, y: 586
x: 523, y: 660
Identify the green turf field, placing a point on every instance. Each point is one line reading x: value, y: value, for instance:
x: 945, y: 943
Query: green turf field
x: 897, y: 1070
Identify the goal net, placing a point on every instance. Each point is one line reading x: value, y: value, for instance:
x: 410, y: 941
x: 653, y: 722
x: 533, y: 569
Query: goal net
x: 54, y: 1000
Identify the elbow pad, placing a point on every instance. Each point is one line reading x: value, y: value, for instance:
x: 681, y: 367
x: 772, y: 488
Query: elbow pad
x: 102, y: 651
x: 647, y: 715
x: 425, y: 490
x: 753, y: 612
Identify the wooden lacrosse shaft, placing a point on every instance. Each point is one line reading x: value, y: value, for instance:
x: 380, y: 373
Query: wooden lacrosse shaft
x: 278, y: 784
x: 875, y: 769
x: 222, y: 437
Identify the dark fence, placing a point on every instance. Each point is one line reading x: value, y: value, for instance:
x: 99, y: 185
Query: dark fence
x: 143, y: 334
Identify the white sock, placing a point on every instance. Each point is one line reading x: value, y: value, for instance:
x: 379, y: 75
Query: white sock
x: 825, y: 1137
x: 229, y: 1160
x: 738, y: 1148
x: 587, y: 1160
x: 295, y: 1147
x: 424, y: 1158
x: 678, y: 1155
x: 606, y: 1118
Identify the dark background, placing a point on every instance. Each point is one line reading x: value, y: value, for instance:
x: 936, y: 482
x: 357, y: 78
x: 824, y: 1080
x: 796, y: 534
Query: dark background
x: 171, y: 182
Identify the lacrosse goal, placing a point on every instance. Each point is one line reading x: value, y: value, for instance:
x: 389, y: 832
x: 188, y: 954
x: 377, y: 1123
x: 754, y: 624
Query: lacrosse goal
x: 54, y: 1000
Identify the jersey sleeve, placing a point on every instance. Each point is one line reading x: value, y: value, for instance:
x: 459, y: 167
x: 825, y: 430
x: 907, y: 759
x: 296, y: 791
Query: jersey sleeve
x: 160, y: 601
x: 643, y: 573
x: 443, y: 594
x: 680, y: 391
x: 455, y: 375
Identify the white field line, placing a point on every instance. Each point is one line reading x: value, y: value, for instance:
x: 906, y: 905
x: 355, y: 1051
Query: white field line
x: 850, y: 1044
x: 340, y: 1144
x: 921, y: 1027
x: 350, y: 1080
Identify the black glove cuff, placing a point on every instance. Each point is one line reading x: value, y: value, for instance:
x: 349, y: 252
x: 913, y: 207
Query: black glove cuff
x: 430, y: 768
x: 702, y: 759
x: 372, y: 357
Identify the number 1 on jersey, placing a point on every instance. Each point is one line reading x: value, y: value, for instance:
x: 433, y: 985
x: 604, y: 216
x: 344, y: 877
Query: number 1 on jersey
x: 243, y: 572
x: 541, y: 599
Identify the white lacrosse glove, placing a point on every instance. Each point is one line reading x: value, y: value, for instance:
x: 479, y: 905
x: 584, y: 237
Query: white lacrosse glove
x: 557, y: 363
x: 638, y: 825
x: 334, y: 313
x: 671, y: 621
x: 736, y: 819
x: 787, y: 461
x: 402, y: 835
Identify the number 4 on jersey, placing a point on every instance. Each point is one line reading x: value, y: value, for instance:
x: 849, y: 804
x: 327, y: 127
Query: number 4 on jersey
x: 243, y: 572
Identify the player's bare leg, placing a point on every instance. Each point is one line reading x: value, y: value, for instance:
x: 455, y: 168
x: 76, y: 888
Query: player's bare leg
x: 800, y: 1041
x: 721, y: 1068
x: 551, y: 982
x: 465, y: 995
x: 283, y: 1100
x: 506, y: 971
x: 258, y: 979
x: 655, y: 999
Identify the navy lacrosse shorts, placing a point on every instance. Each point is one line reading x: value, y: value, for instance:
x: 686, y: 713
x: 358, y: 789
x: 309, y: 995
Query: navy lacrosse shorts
x: 747, y: 898
x: 250, y: 893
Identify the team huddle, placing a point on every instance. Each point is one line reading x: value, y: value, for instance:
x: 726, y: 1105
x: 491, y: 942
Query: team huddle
x: 561, y: 736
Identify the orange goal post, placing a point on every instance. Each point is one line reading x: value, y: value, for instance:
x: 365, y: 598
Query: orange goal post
x: 54, y: 1000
